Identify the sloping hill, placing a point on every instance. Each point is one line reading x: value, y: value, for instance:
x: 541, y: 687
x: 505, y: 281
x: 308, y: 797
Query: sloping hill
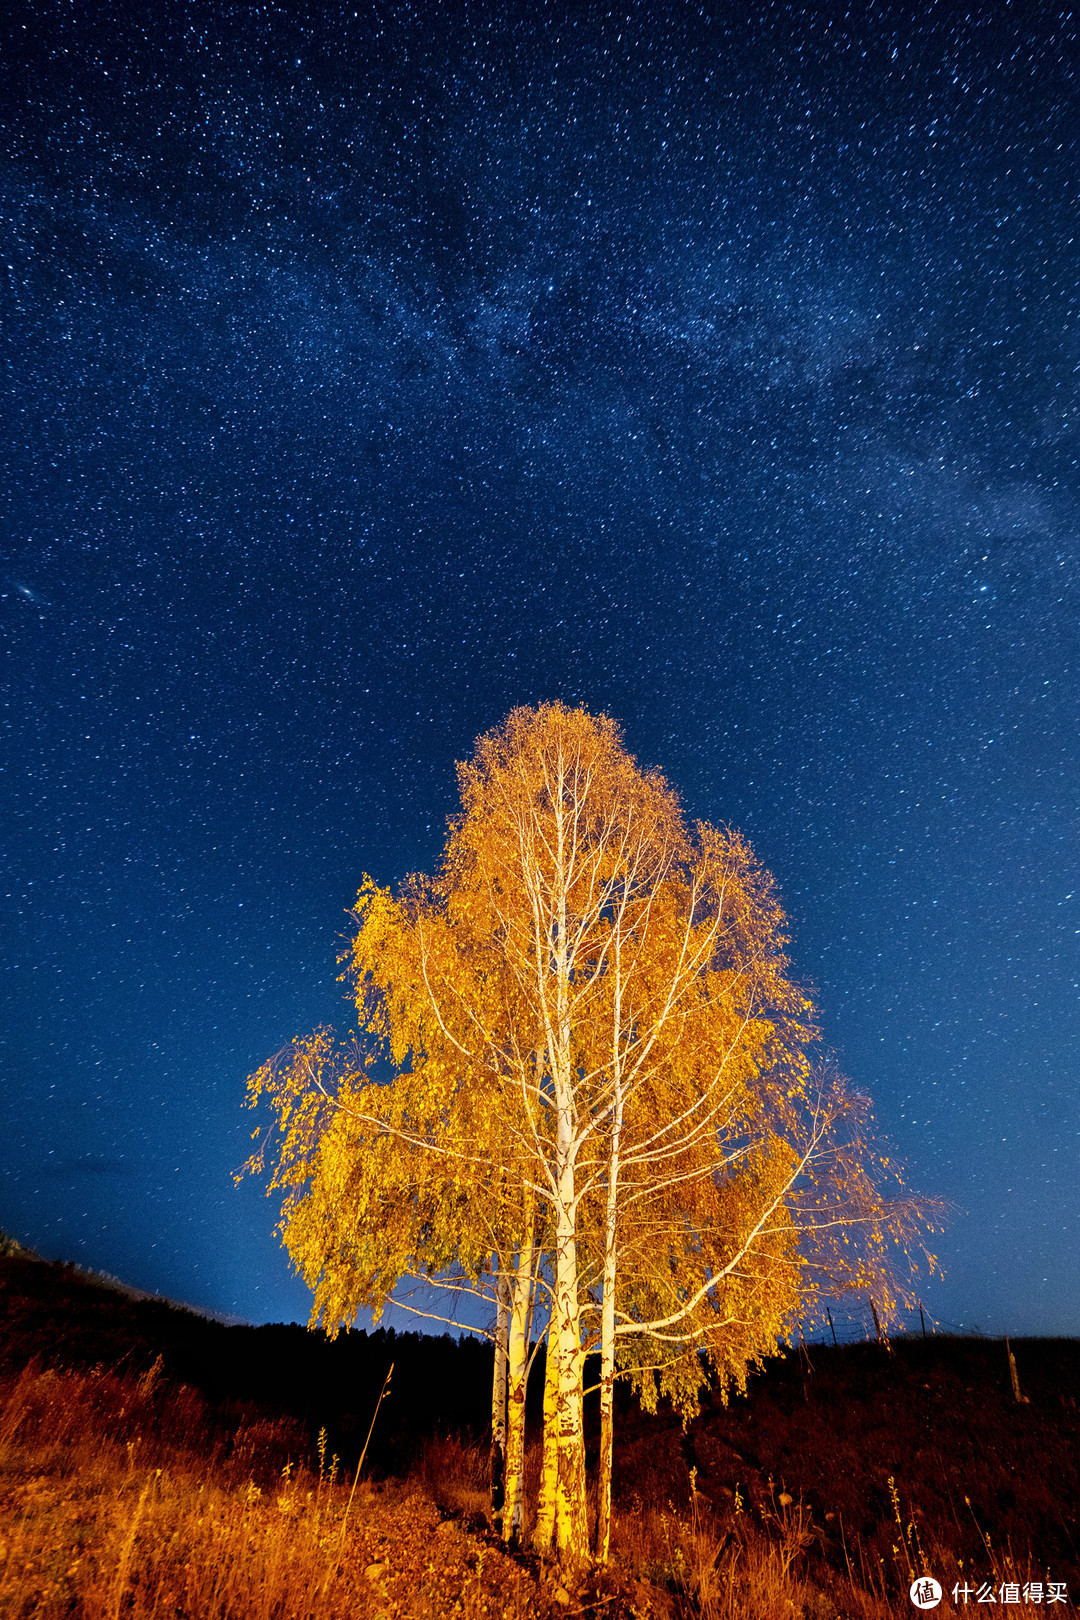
x: 838, y: 1476
x: 936, y: 1418
x: 73, y: 1319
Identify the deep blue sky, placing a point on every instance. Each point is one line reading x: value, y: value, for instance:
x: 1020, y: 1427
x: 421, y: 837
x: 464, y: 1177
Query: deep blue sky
x: 367, y: 372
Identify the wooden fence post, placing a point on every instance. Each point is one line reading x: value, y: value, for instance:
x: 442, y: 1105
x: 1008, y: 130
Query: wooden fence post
x: 1021, y: 1400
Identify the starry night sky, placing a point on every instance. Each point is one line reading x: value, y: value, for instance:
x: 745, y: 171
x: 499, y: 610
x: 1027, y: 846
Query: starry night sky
x: 369, y: 372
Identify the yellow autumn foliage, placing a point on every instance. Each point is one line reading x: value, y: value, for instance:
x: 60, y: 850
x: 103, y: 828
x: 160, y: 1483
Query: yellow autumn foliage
x: 586, y: 1088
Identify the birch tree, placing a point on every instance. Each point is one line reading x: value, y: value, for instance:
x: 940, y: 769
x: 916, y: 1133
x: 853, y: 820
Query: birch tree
x: 605, y: 1105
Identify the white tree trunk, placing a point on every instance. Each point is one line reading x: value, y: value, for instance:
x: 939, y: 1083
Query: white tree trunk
x: 607, y: 1346
x: 518, y: 1351
x: 498, y: 1399
x: 554, y: 974
x: 544, y: 1531
x: 571, y: 1514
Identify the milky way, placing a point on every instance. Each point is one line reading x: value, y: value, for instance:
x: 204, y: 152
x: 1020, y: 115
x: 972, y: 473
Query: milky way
x: 369, y: 372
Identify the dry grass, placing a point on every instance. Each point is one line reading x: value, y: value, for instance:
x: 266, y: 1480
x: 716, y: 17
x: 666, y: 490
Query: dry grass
x: 125, y: 1498
x: 777, y: 1563
x: 120, y: 1500
x: 772, y: 1561
x: 454, y: 1472
x: 828, y: 1489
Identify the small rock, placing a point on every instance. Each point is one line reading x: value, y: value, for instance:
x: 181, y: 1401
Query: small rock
x: 447, y: 1528
x: 375, y: 1572
x: 562, y: 1596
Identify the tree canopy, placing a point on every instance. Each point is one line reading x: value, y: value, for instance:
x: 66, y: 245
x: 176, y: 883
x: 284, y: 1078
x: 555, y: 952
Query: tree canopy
x: 606, y: 1115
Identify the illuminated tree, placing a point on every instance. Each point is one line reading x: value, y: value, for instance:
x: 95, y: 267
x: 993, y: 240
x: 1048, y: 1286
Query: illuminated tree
x: 604, y: 1102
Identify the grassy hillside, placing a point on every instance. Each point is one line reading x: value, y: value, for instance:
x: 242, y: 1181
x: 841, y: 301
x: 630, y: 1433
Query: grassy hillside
x: 154, y: 1462
x: 76, y: 1320
x: 894, y: 1461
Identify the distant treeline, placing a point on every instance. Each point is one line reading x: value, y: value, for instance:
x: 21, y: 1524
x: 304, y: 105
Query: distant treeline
x: 70, y: 1318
